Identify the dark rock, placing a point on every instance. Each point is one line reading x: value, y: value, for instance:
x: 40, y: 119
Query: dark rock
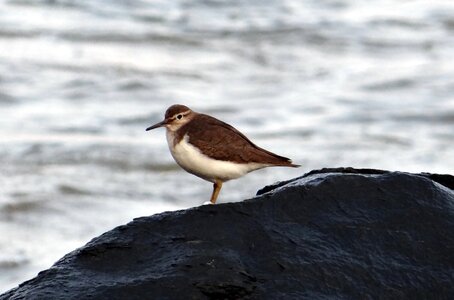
x: 330, y: 234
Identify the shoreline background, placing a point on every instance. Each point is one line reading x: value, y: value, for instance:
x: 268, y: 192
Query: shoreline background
x: 328, y: 84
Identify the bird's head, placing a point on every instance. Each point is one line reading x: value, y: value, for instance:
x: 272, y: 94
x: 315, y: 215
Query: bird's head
x: 176, y: 116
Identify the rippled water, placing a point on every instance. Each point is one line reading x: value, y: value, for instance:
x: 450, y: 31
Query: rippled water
x: 327, y: 83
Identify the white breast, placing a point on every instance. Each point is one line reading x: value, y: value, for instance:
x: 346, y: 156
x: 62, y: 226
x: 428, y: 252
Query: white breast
x: 193, y: 161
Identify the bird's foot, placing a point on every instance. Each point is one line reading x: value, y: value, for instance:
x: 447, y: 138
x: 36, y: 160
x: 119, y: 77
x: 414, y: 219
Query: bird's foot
x: 207, y: 202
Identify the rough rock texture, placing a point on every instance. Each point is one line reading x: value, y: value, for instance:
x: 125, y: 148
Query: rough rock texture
x: 330, y: 234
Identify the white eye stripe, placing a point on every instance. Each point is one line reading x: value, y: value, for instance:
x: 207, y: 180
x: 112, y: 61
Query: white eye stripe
x: 180, y: 116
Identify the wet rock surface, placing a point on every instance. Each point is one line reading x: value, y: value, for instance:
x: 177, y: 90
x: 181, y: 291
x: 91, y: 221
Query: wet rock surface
x: 333, y: 233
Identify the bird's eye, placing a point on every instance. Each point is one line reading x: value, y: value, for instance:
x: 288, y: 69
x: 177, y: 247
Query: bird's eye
x: 179, y: 117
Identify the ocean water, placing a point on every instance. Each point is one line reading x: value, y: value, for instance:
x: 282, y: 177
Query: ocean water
x: 327, y: 83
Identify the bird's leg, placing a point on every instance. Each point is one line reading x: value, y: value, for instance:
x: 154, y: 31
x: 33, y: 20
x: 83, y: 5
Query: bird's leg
x: 216, y: 189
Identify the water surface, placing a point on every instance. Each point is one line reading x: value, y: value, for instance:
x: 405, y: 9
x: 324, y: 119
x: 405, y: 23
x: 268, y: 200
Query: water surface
x: 327, y: 83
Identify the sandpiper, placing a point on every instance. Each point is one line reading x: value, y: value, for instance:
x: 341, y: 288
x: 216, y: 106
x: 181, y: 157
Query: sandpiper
x: 211, y: 149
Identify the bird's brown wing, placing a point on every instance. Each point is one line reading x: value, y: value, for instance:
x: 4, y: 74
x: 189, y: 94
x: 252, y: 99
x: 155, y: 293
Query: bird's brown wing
x: 221, y: 141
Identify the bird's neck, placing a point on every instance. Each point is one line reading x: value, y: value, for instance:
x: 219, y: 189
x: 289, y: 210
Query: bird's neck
x: 174, y: 137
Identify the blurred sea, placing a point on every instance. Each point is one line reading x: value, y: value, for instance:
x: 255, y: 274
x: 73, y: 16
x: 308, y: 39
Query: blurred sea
x: 327, y: 83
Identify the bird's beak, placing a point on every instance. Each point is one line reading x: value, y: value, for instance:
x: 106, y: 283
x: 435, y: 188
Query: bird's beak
x: 157, y: 125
